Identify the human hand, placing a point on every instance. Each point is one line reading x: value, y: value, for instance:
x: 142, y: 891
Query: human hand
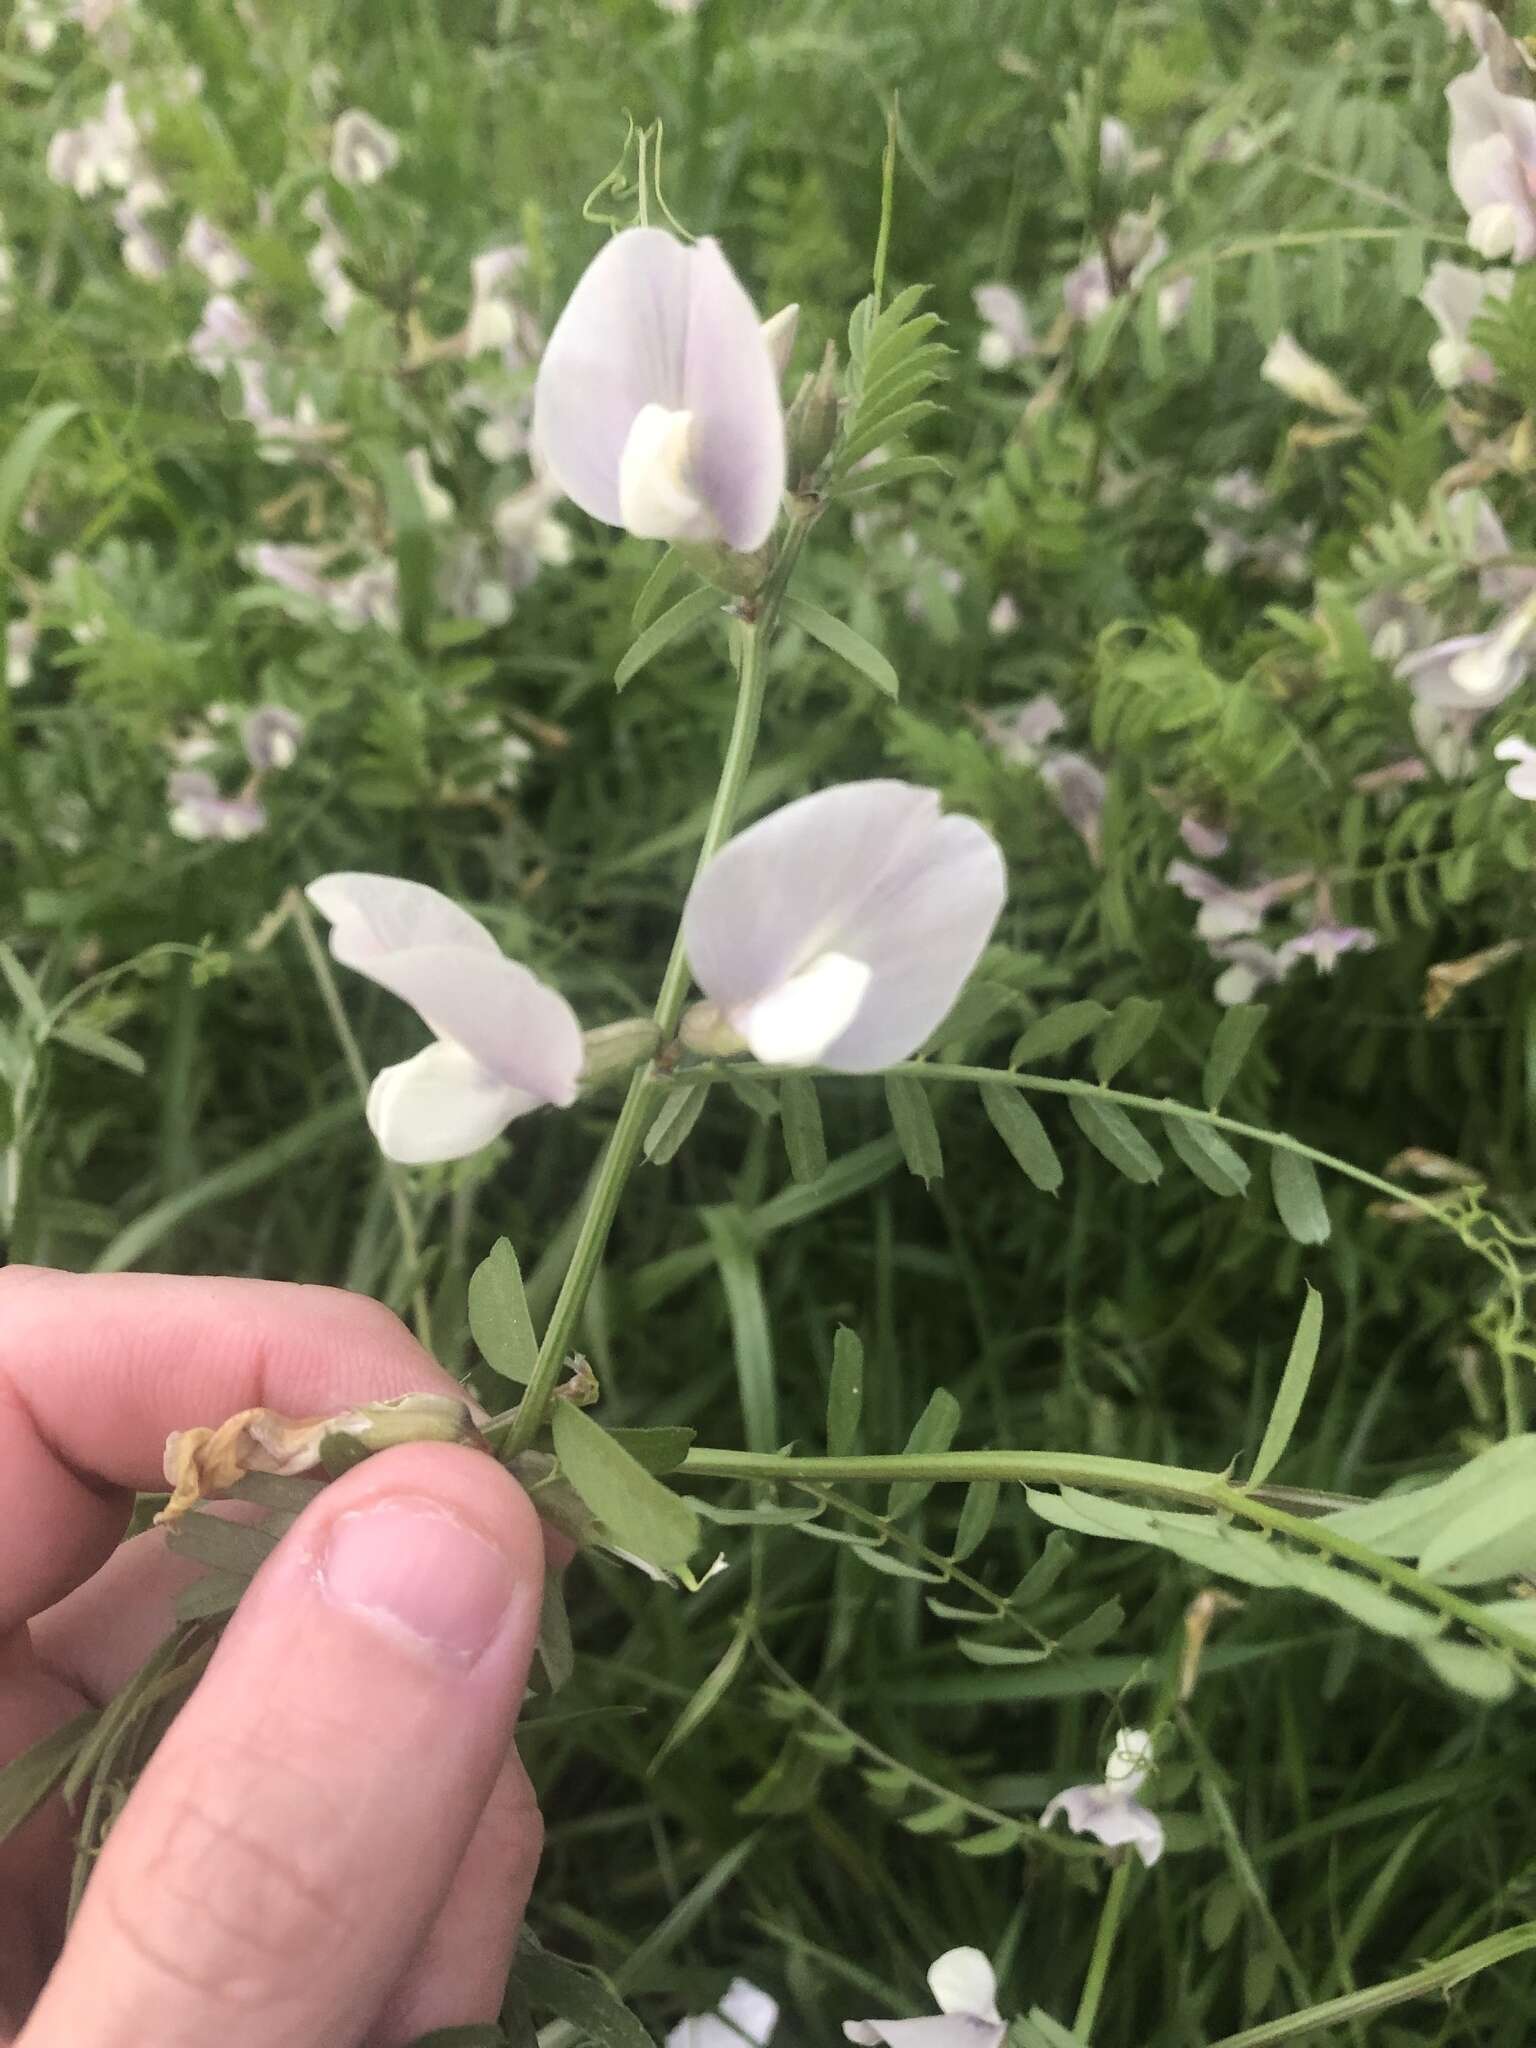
x: 333, y: 1845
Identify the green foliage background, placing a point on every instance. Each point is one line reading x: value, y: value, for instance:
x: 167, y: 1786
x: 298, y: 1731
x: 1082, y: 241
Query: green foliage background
x: 1335, y: 1813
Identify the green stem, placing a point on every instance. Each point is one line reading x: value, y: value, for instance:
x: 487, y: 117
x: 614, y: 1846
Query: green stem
x: 1103, y: 1948
x: 400, y: 1201
x: 634, y: 1118
x: 1431, y: 1980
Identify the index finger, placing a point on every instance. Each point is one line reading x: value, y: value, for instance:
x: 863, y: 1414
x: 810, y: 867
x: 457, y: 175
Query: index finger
x: 96, y: 1370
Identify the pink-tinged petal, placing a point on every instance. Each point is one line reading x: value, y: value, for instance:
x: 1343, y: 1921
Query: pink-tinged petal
x: 962, y: 1981
x: 440, y: 1105
x: 1080, y: 787
x: 1209, y: 842
x: 943, y: 2030
x: 516, y: 1028
x: 653, y: 323
x: 375, y: 915
x: 866, y: 875
x: 1110, y: 1817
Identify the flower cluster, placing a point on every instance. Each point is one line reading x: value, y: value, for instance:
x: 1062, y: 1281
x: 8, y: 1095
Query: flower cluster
x: 199, y: 807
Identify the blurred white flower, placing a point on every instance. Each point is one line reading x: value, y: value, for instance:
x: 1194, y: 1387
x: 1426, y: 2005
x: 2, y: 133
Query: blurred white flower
x: 1136, y: 248
x: 1003, y: 618
x: 1117, y: 146
x: 144, y: 255
x: 965, y: 1991
x: 1473, y: 672
x: 745, y: 2015
x: 1020, y: 732
x: 1249, y: 967
x: 679, y: 6
x: 1205, y: 842
x: 199, y: 810
x: 1521, y: 779
x: 839, y: 930
x: 529, y: 533
x: 224, y: 335
x: 436, y: 503
x: 362, y: 149
x: 271, y: 736
x: 1226, y: 911
x: 503, y: 1043
x: 210, y: 250
x: 366, y: 596
x: 20, y: 645
x: 1326, y: 944
x: 1493, y: 163
x: 1482, y: 534
x: 1111, y: 1811
x: 1007, y: 336
x: 326, y: 267
x: 1235, y: 535
x: 1081, y: 789
x: 1290, y: 369
x: 1454, y: 297
x: 39, y: 22
x: 657, y: 401
x: 104, y: 153
x: 498, y: 324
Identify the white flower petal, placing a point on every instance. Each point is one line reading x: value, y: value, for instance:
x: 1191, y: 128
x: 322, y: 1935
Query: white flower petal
x: 655, y: 323
x: 746, y: 2016
x: 440, y: 1105
x: 942, y: 2030
x: 870, y: 871
x: 1112, y: 1817
x: 793, y: 1025
x: 374, y: 915
x: 962, y: 1980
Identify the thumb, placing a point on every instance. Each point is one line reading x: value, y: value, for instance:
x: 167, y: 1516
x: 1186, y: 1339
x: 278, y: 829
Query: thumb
x: 296, y: 1832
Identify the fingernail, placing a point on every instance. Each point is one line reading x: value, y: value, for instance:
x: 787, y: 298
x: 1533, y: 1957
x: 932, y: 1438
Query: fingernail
x: 411, y: 1568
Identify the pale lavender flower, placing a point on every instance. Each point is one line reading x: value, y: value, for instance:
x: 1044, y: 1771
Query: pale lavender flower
x: 1290, y: 369
x: 1226, y: 911
x: 1080, y: 788
x: 1326, y: 944
x: 1482, y: 534
x: 1205, y: 842
x: 271, y: 736
x: 102, y: 154
x: 530, y: 535
x: 1473, y: 672
x: 1248, y: 967
x: 326, y: 266
x: 745, y: 2017
x: 365, y: 596
x: 362, y: 149
x: 1004, y: 617
x: 1394, y: 625
x: 1455, y: 297
x: 503, y: 1043
x: 657, y: 401
x: 144, y: 254
x: 1447, y: 738
x: 1234, y: 536
x: 1020, y: 732
x: 200, y: 811
x: 20, y: 646
x: 225, y: 335
x: 1117, y: 146
x: 1493, y: 163
x: 839, y: 930
x: 1521, y: 779
x: 1136, y: 248
x: 964, y: 1989
x: 1111, y: 1811
x: 210, y: 250
x: 1007, y: 336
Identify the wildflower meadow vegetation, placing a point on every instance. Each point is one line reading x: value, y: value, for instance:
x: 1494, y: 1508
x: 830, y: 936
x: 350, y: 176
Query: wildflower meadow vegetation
x: 811, y: 721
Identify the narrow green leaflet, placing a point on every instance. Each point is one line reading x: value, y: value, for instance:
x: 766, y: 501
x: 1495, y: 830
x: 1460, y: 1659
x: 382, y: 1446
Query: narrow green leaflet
x: 1129, y: 1027
x: 976, y: 1516
x: 1233, y: 1041
x: 1112, y: 1134
x: 912, y: 1120
x: 932, y: 1433
x: 1298, y: 1198
x: 800, y: 1120
x: 1207, y: 1155
x: 674, y: 1121
x: 998, y: 1654
x: 555, y: 1651
x: 639, y: 1513
x: 709, y: 1695
x: 33, y: 1776
x: 1294, y: 1382
x: 844, y: 642
x: 499, y: 1320
x: 660, y: 1448
x: 580, y: 1995
x: 681, y: 618
x: 21, y: 458
x: 1024, y: 1135
x: 669, y: 567
x: 845, y: 1397
x: 1057, y: 1031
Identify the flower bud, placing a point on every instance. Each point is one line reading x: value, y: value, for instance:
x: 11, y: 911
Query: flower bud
x: 738, y: 575
x: 614, y: 1050
x: 706, y: 1029
x: 811, y: 424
